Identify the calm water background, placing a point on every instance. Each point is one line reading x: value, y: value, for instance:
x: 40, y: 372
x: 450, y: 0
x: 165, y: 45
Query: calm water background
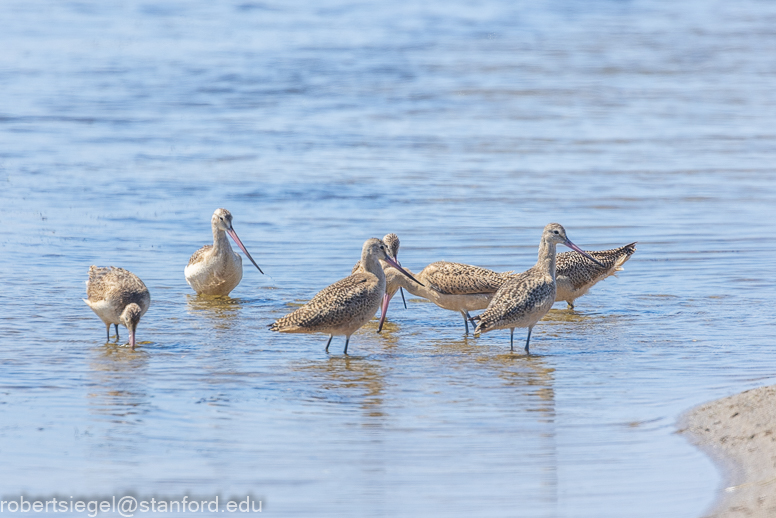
x: 464, y: 127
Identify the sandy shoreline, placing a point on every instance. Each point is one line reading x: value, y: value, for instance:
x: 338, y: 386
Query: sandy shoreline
x: 739, y: 432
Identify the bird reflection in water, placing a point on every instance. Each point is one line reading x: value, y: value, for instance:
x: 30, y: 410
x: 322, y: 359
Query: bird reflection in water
x: 579, y: 329
x: 119, y: 385
x: 219, y: 312
x: 349, y: 380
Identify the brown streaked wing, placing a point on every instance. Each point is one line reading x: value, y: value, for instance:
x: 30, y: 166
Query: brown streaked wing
x: 199, y: 254
x: 332, y: 305
x: 462, y: 279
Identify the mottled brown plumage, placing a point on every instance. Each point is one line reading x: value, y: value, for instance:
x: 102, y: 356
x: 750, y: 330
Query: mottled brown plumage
x: 575, y: 274
x: 525, y: 298
x: 117, y: 296
x: 346, y: 305
x: 462, y: 279
x: 452, y: 286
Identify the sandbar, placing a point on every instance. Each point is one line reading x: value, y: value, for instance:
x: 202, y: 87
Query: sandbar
x: 739, y: 433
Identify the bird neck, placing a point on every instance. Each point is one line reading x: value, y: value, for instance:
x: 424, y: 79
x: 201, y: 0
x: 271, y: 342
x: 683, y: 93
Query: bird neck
x: 546, y: 261
x: 220, y: 241
x: 395, y: 280
x: 372, y: 265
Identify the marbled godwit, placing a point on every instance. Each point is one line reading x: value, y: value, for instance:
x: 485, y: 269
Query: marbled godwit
x: 453, y: 286
x: 118, y: 297
x: 576, y: 274
x: 525, y: 298
x: 346, y: 305
x: 393, y: 243
x: 215, y: 269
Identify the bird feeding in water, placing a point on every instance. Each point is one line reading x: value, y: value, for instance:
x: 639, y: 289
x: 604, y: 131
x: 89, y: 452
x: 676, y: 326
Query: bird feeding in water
x: 525, y: 298
x: 343, y: 307
x: 216, y: 269
x: 118, y: 297
x: 452, y: 286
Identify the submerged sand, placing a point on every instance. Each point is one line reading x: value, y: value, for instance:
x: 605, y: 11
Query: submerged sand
x: 740, y: 433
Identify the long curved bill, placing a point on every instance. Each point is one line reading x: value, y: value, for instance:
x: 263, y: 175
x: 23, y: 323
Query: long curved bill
x: 233, y: 235
x: 383, y: 311
x: 577, y: 249
x: 402, y: 270
x: 401, y: 290
x: 132, y: 339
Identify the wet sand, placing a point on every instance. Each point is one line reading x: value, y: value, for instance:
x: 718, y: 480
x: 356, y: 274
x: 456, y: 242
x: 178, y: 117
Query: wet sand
x: 739, y: 433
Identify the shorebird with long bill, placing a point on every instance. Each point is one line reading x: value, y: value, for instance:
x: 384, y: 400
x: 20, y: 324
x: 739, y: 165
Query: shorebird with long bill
x: 452, y: 286
x: 525, y: 298
x: 343, y: 307
x: 216, y: 269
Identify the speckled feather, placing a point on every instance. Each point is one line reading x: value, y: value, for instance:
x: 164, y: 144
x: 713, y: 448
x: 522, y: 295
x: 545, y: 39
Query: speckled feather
x: 520, y: 302
x: 462, y: 279
x: 525, y: 298
x: 200, y: 254
x: 576, y: 274
x: 346, y: 305
x: 118, y: 286
x: 351, y: 301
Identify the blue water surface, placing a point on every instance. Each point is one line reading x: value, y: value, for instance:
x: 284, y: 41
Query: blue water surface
x: 464, y: 127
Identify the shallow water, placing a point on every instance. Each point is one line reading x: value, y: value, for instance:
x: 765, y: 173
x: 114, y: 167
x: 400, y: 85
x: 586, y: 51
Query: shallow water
x: 464, y: 128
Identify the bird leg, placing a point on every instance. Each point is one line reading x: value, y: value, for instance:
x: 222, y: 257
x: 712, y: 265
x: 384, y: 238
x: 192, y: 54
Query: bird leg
x: 570, y: 305
x: 347, y: 341
x: 329, y: 342
x: 472, y: 320
x: 466, y: 318
x: 401, y: 290
x: 511, y: 338
x: 117, y: 331
x: 108, y: 329
x: 528, y: 340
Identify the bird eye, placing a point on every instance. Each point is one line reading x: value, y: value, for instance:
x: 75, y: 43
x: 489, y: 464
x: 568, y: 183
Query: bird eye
x: 556, y: 232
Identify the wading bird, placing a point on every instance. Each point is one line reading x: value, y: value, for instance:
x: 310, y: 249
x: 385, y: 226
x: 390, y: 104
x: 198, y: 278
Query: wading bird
x: 216, y: 269
x: 526, y: 297
x: 345, y: 306
x: 118, y: 297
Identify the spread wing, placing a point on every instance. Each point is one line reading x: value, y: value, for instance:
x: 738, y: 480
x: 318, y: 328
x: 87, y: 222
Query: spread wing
x: 581, y: 270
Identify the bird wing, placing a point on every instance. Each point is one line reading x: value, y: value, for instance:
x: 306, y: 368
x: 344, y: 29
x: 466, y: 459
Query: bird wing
x: 580, y: 270
x: 517, y: 297
x: 199, y: 254
x: 95, y: 285
x: 462, y: 279
x: 332, y: 305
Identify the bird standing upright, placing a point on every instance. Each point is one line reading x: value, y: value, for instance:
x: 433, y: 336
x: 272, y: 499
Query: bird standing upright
x: 343, y: 307
x: 216, y: 269
x: 525, y: 298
